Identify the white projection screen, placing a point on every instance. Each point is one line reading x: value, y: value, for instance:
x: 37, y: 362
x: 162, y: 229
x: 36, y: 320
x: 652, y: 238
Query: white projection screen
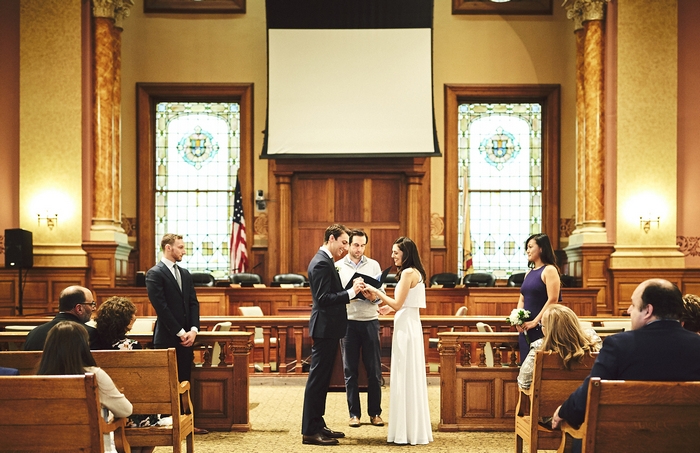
x: 335, y: 91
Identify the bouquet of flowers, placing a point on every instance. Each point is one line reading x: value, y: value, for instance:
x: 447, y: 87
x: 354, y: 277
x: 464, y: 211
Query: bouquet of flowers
x: 517, y: 317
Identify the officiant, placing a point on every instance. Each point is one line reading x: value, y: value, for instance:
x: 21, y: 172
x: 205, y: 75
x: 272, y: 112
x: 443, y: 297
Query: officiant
x: 362, y: 334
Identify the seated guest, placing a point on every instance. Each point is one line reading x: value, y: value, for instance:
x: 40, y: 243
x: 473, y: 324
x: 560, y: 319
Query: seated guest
x: 67, y: 352
x: 76, y: 304
x: 562, y: 334
x: 113, y: 320
x: 656, y: 349
x: 691, y: 313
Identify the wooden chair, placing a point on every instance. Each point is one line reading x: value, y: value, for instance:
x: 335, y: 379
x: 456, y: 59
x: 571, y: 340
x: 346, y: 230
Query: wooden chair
x: 216, y: 350
x: 55, y: 413
x: 551, y: 385
x: 259, y: 341
x: 659, y: 417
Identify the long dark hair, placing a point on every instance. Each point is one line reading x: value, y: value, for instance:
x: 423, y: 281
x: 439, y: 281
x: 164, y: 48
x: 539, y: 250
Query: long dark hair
x: 113, y: 319
x: 547, y: 255
x: 66, y: 350
x: 411, y: 258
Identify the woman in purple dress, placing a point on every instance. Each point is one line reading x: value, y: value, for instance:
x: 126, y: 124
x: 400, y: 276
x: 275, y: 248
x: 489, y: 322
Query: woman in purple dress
x: 540, y: 289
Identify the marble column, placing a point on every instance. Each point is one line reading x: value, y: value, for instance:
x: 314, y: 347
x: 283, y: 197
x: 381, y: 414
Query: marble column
x: 588, y: 249
x: 108, y: 248
x: 588, y: 16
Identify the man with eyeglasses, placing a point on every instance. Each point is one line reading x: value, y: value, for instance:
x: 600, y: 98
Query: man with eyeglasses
x: 76, y: 304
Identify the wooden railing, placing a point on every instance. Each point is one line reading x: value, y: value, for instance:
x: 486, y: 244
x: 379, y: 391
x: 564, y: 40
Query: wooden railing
x: 220, y: 393
x: 286, y: 346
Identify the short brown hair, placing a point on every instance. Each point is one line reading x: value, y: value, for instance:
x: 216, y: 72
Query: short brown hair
x: 169, y: 239
x: 336, y: 230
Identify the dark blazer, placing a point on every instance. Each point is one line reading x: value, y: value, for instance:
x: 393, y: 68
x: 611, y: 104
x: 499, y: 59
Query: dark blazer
x: 37, y: 336
x: 329, y: 317
x: 660, y: 351
x: 175, y: 309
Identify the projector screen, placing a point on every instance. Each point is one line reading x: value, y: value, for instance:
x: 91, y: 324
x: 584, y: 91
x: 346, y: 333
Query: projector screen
x: 336, y: 91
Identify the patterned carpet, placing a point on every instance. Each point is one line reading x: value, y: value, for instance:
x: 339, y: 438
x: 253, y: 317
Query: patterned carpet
x: 276, y: 407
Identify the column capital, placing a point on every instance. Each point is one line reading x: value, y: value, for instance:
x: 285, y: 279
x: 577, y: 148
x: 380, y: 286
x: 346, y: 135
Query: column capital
x: 574, y: 11
x: 103, y: 8
x: 122, y: 8
x: 593, y: 9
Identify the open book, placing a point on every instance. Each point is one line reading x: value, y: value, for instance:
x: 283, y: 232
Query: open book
x: 376, y: 282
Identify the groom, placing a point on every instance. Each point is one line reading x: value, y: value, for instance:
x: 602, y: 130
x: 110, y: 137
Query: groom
x: 327, y: 326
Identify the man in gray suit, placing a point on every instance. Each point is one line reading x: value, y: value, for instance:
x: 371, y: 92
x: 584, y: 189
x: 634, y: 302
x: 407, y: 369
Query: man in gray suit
x: 171, y: 292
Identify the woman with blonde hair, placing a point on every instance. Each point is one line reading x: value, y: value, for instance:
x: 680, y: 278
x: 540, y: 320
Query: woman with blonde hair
x: 564, y: 335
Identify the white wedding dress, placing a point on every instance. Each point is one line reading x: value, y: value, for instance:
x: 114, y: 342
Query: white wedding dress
x: 409, y: 413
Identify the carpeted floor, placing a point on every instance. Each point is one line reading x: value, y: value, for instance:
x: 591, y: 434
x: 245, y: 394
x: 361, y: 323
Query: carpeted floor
x: 275, y: 415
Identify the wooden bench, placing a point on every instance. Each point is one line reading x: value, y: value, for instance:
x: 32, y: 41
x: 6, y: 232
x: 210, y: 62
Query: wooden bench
x: 55, y: 413
x: 148, y: 378
x: 639, y: 416
x: 551, y: 385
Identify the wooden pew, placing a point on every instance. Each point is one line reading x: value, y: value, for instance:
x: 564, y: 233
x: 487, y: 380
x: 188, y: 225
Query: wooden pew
x: 551, y: 385
x: 55, y: 413
x: 148, y: 379
x: 663, y: 417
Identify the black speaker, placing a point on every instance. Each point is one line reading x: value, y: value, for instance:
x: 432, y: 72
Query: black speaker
x: 19, y: 249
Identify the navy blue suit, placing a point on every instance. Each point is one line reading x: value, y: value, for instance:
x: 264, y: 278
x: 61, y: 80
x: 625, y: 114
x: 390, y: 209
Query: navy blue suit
x: 176, y: 309
x: 660, y: 351
x: 327, y: 326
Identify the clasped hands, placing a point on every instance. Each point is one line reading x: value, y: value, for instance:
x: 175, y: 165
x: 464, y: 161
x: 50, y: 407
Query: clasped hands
x: 370, y: 293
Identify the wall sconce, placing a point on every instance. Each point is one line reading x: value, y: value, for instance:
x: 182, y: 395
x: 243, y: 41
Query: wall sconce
x: 645, y: 224
x: 50, y: 221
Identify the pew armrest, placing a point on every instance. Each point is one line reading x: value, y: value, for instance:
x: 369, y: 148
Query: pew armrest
x: 576, y: 433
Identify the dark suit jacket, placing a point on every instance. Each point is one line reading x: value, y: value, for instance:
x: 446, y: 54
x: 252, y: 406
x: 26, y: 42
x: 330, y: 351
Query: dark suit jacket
x: 660, y: 351
x: 329, y: 317
x: 175, y: 309
x: 37, y: 336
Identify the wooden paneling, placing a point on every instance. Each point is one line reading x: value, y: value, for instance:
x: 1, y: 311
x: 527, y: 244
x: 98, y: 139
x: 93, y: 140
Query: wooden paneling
x: 349, y: 200
x: 42, y: 286
x: 387, y: 195
x: 354, y: 205
x: 626, y: 280
x: 372, y: 195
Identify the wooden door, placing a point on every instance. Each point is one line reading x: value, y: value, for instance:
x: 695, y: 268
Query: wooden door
x: 373, y: 202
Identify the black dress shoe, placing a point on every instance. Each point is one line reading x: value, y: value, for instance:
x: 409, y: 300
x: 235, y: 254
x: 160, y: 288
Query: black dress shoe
x: 326, y: 431
x: 319, y: 439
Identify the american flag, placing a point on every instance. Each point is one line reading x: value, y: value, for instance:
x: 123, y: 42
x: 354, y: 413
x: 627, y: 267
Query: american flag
x: 239, y: 254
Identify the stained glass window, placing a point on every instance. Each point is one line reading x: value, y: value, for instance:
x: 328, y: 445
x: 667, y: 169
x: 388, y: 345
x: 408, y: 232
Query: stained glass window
x: 197, y: 160
x: 500, y: 184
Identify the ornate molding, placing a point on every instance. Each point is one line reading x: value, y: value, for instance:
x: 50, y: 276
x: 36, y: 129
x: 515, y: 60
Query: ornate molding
x: 437, y: 226
x: 689, y: 245
x: 566, y: 227
x: 129, y: 225
x: 2, y: 245
x: 104, y: 8
x: 574, y: 11
x: 122, y: 8
x: 593, y: 9
x: 260, y: 226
